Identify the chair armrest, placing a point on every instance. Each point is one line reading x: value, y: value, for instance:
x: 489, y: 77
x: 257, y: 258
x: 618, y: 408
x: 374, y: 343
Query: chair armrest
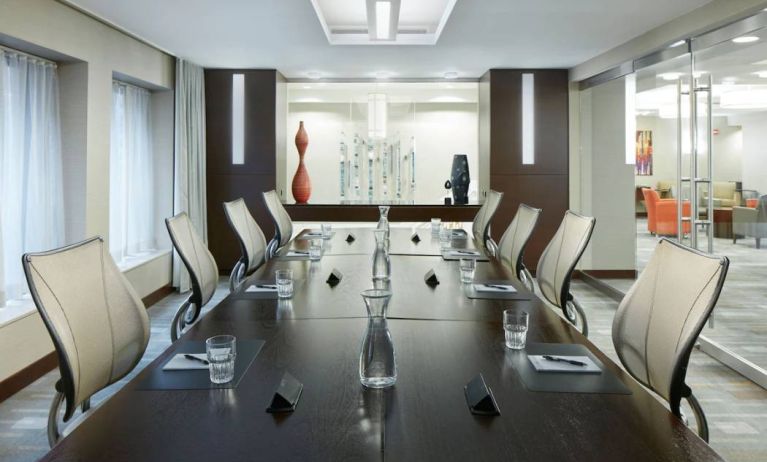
x: 744, y: 215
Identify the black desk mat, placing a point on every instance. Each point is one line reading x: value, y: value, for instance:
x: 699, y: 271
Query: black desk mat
x: 518, y: 294
x: 562, y: 382
x: 199, y: 379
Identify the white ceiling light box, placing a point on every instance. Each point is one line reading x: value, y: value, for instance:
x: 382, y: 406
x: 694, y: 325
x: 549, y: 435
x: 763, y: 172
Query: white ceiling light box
x: 383, y: 22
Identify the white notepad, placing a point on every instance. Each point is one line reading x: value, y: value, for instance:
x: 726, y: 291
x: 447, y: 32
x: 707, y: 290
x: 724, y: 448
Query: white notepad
x: 293, y: 253
x: 180, y: 363
x: 544, y: 365
x: 504, y: 288
x: 262, y: 288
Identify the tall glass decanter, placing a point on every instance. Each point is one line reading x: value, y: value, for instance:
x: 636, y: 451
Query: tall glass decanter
x: 378, y: 361
x: 381, y: 262
x: 383, y: 219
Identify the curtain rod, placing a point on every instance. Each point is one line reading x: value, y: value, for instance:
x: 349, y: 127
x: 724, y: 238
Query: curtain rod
x: 28, y: 55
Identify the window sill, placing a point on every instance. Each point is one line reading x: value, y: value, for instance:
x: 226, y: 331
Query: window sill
x: 139, y: 260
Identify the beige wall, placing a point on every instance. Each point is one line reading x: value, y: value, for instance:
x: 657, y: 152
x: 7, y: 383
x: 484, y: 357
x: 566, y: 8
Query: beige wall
x: 98, y: 52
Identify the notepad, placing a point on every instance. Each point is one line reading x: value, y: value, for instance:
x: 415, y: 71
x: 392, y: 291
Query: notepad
x: 506, y: 288
x: 262, y: 288
x: 180, y: 363
x: 293, y: 253
x: 543, y: 365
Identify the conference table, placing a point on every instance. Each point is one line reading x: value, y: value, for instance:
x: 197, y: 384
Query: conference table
x: 442, y: 340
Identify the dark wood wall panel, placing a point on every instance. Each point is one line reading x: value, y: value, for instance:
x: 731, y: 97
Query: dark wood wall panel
x: 370, y: 212
x: 544, y: 184
x: 226, y: 181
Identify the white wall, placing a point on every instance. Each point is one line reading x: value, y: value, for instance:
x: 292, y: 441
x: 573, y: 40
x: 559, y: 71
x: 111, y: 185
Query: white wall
x: 96, y: 52
x: 754, y: 165
x: 607, y: 182
x: 728, y: 150
x: 440, y: 130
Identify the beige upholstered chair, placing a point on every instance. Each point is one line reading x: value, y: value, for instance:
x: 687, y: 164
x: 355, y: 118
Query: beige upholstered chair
x: 556, y: 265
x: 481, y: 226
x: 203, y: 272
x: 98, y: 324
x: 251, y: 238
x: 661, y: 316
x: 511, y: 247
x: 283, y: 225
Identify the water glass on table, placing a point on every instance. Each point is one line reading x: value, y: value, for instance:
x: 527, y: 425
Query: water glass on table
x: 445, y: 237
x: 315, y: 249
x: 222, y: 351
x: 436, y: 225
x: 284, y: 281
x: 327, y: 230
x: 468, y: 266
x: 515, y: 323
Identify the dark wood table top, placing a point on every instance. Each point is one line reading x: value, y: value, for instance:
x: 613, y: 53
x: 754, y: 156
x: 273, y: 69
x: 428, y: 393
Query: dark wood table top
x: 441, y: 339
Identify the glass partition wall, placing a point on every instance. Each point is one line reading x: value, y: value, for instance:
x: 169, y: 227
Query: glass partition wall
x: 694, y: 129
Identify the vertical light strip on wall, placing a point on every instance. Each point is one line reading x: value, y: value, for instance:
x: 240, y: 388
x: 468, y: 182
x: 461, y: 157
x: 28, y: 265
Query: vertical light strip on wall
x: 238, y: 119
x: 528, y: 119
x: 631, y: 121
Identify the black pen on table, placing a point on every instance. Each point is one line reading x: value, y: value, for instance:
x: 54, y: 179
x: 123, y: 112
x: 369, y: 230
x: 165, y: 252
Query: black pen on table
x: 195, y: 358
x: 564, y: 360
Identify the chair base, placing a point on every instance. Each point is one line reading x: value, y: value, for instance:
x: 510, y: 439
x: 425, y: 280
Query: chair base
x: 184, y: 318
x: 238, y: 273
x: 573, y: 310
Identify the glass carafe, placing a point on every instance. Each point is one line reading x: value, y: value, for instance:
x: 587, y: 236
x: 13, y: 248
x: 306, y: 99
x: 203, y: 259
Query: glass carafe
x: 378, y: 364
x: 383, y: 220
x: 381, y: 262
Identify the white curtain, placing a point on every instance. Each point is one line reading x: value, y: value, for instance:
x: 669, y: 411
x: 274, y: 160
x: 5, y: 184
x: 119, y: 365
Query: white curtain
x: 189, y: 194
x: 131, y: 177
x: 31, y: 195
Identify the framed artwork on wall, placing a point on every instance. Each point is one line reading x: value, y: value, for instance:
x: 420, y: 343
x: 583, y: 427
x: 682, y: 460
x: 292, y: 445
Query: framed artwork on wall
x: 644, y: 152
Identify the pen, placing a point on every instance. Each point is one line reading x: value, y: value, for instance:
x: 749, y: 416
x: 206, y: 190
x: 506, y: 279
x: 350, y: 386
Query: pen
x: 493, y: 286
x: 266, y: 286
x: 568, y: 361
x: 195, y: 358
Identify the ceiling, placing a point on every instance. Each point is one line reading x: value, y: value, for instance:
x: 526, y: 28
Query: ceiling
x: 480, y: 34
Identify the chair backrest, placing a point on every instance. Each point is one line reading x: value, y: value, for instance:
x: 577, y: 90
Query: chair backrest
x: 252, y: 240
x: 96, y: 320
x: 660, y: 317
x: 283, y: 225
x: 511, y: 248
x: 558, y: 260
x: 481, y: 226
x: 199, y: 262
x: 651, y: 199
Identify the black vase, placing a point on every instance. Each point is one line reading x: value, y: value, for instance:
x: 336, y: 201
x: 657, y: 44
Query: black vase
x: 459, y: 179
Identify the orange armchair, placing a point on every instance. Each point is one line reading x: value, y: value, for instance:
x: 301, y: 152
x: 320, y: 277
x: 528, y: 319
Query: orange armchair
x: 661, y: 214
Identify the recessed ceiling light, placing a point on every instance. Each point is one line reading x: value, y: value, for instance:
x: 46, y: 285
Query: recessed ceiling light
x: 698, y: 74
x: 678, y: 43
x: 761, y: 74
x: 670, y: 76
x: 383, y: 20
x: 745, y: 39
x: 383, y: 75
x: 451, y: 75
x: 314, y: 75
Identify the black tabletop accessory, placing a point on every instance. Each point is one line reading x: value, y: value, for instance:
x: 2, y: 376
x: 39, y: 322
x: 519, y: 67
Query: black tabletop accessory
x: 350, y: 238
x: 430, y: 278
x: 415, y: 238
x: 334, y: 278
x: 480, y: 398
x: 286, y: 395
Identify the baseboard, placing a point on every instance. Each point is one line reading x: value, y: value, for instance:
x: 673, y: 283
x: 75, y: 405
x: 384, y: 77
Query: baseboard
x: 26, y: 376
x: 157, y: 295
x: 603, y: 287
x: 49, y: 362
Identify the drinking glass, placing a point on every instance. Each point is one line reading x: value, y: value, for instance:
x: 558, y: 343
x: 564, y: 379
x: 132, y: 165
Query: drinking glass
x: 436, y: 225
x: 327, y: 230
x: 515, y: 325
x: 445, y: 237
x: 315, y: 249
x: 468, y: 266
x: 284, y: 280
x: 222, y: 351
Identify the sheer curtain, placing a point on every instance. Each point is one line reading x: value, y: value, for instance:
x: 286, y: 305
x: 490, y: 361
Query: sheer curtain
x: 31, y: 195
x: 189, y: 194
x: 131, y: 183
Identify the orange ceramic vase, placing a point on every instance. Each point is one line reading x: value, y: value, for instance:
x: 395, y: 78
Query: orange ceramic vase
x: 302, y: 185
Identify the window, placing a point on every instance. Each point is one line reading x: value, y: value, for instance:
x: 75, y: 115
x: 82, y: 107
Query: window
x: 131, y: 180
x: 31, y: 199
